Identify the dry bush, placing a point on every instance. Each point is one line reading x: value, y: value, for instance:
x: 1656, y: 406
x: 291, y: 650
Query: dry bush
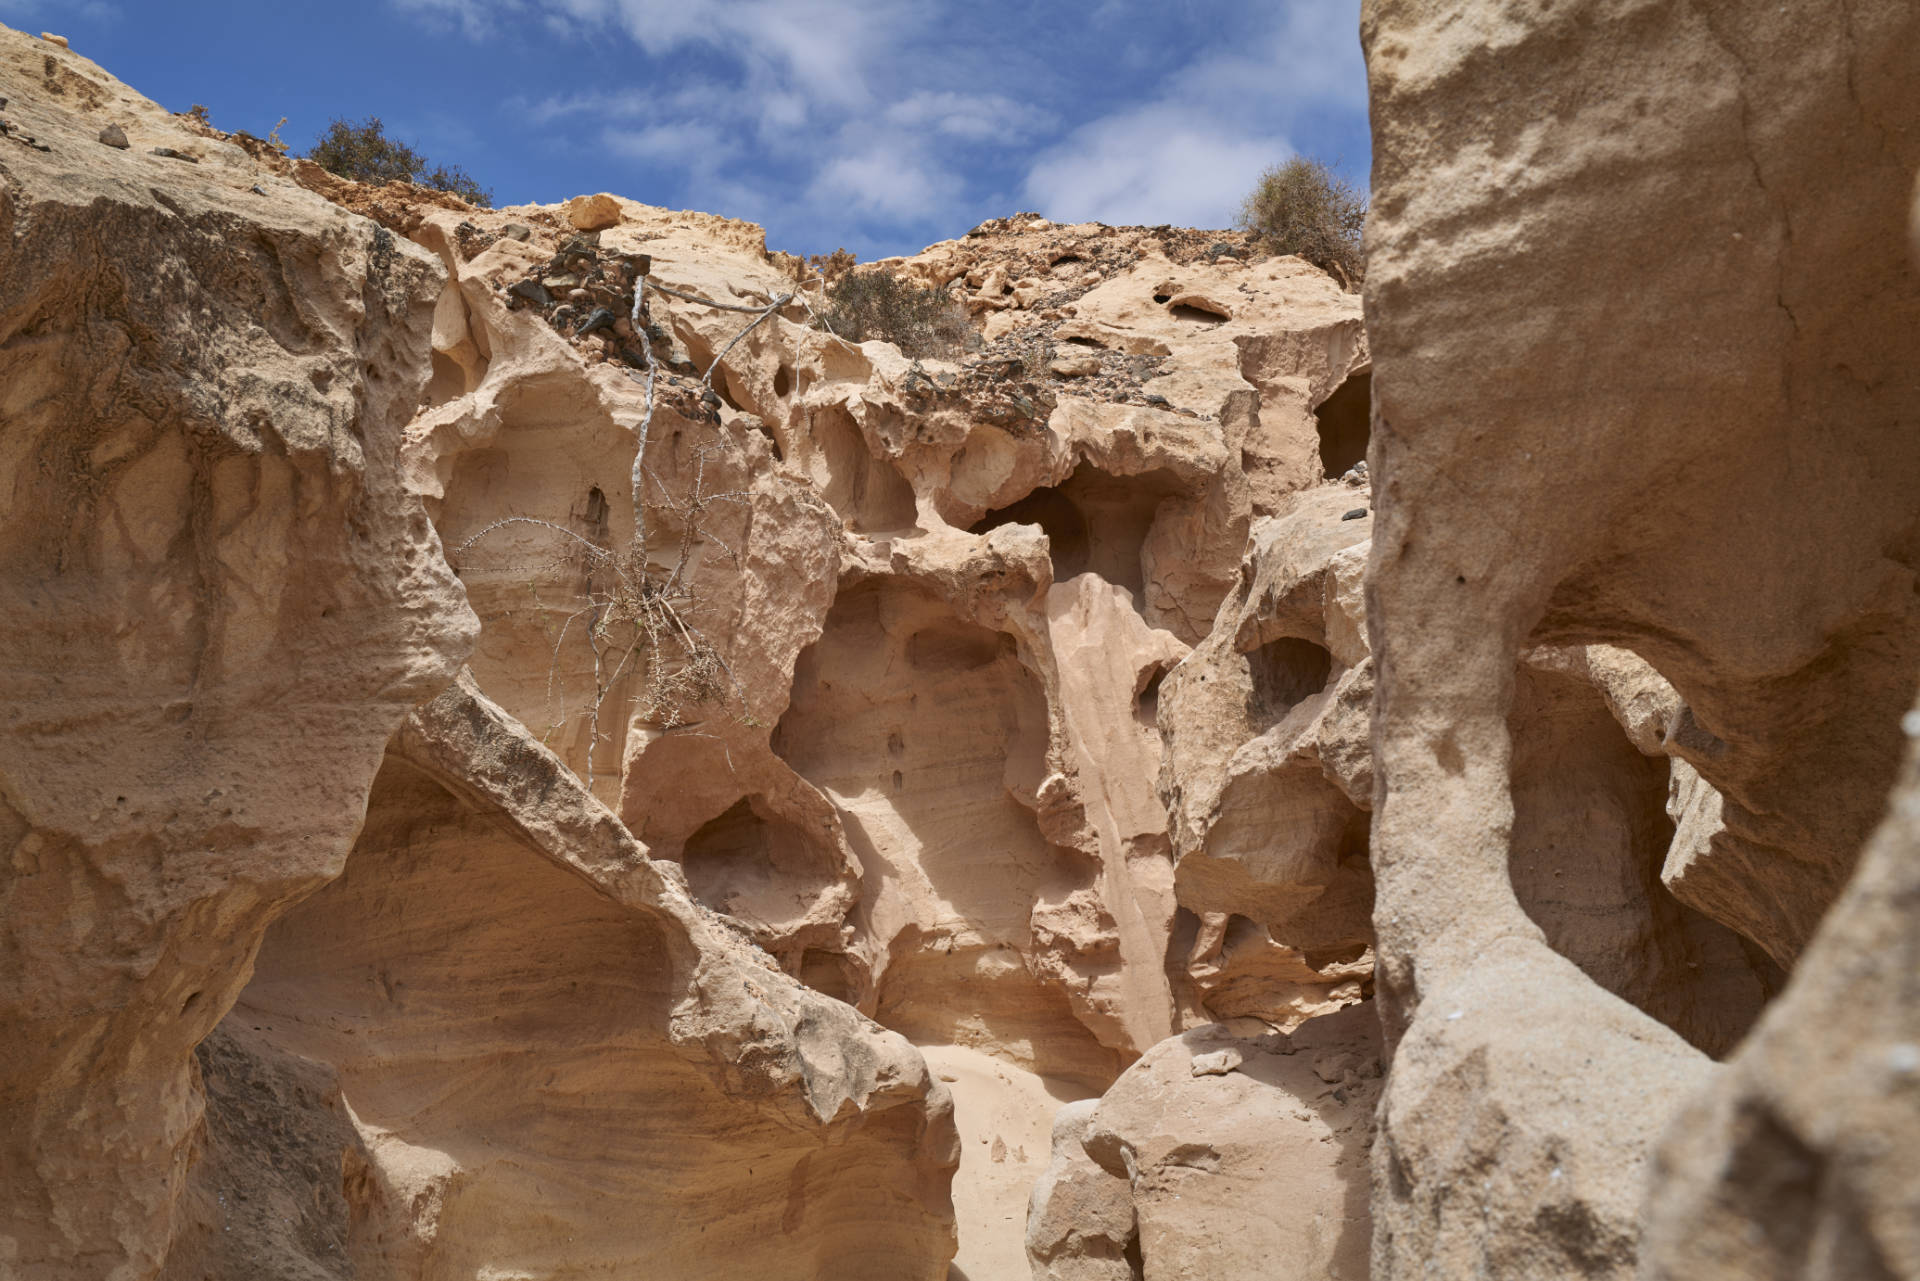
x: 1302, y: 207
x: 361, y: 150
x: 832, y: 267
x: 922, y: 321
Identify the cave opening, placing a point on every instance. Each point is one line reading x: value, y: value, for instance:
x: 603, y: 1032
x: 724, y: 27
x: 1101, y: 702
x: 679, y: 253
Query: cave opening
x: 1286, y: 672
x: 1095, y: 522
x: 1345, y: 422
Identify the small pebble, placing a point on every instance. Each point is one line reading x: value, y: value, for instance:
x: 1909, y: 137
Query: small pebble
x: 1356, y: 514
x: 50, y: 38
x: 115, y: 136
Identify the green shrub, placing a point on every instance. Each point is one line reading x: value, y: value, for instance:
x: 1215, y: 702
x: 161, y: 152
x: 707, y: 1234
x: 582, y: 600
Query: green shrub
x: 1302, y: 208
x: 361, y: 150
x: 873, y: 303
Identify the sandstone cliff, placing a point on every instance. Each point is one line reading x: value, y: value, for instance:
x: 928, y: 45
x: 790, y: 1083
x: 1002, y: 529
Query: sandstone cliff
x: 1645, y: 332
x: 530, y: 756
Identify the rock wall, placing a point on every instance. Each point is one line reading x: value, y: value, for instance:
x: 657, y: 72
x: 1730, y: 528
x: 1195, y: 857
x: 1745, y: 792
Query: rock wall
x: 531, y: 756
x: 219, y: 601
x: 800, y: 781
x: 462, y: 1014
x: 1683, y: 430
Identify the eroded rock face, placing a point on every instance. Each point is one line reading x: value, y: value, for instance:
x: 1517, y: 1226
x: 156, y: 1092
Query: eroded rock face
x: 945, y: 601
x: 220, y: 600
x: 225, y: 595
x: 1798, y: 1160
x: 1560, y: 470
x: 857, y: 757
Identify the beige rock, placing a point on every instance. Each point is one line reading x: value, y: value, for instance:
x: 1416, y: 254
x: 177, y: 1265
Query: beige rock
x: 257, y: 590
x: 1648, y: 490
x: 1080, y: 1223
x: 1075, y: 366
x: 220, y: 600
x: 593, y: 213
x: 1243, y: 1156
x: 1799, y: 1159
x: 615, y: 999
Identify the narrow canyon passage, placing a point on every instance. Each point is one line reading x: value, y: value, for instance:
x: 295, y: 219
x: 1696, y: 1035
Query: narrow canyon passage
x: 559, y: 742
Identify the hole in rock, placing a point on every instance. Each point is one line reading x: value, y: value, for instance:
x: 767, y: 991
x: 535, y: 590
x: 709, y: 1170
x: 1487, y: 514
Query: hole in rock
x: 869, y: 493
x: 1064, y: 259
x: 926, y: 730
x: 1345, y: 418
x: 594, y: 516
x: 826, y: 973
x: 956, y: 647
x: 1080, y: 340
x: 1058, y: 518
x: 758, y: 868
x: 723, y: 385
x: 782, y: 382
x: 448, y: 381
x: 1194, y: 311
x: 1163, y: 299
x: 1285, y: 672
x: 1590, y: 835
x: 1146, y: 704
x: 1094, y: 522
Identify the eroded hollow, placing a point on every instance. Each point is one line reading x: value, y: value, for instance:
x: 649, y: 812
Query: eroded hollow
x: 1196, y: 312
x: 503, y: 1026
x: 1146, y: 703
x: 868, y: 492
x: 930, y: 735
x: 755, y: 866
x: 1286, y: 672
x: 1590, y: 833
x: 1094, y: 522
x: 1345, y: 420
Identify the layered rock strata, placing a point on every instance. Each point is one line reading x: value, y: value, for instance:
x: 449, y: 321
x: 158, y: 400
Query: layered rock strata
x: 475, y: 1048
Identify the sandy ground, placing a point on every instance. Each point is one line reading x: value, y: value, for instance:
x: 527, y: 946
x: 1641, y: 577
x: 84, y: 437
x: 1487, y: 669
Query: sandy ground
x: 1005, y: 1116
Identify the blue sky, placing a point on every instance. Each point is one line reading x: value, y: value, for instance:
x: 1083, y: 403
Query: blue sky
x: 881, y: 125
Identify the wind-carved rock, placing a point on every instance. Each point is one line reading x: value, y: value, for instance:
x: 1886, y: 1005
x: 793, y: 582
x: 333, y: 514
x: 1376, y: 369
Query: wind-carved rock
x: 221, y: 600
x: 516, y: 720
x: 499, y: 1021
x: 1716, y: 477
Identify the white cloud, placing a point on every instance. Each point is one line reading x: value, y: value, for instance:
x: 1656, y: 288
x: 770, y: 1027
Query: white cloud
x: 971, y: 117
x: 699, y: 149
x: 475, y: 18
x: 888, y: 181
x: 1192, y: 151
x: 1155, y: 164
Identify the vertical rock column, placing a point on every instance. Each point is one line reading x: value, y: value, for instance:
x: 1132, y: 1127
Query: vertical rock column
x: 1643, y: 343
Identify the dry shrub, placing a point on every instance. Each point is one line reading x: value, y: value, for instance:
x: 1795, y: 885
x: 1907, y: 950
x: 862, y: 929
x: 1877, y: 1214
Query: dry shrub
x: 1302, y: 208
x: 361, y: 150
x: 865, y: 305
x: 832, y: 267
